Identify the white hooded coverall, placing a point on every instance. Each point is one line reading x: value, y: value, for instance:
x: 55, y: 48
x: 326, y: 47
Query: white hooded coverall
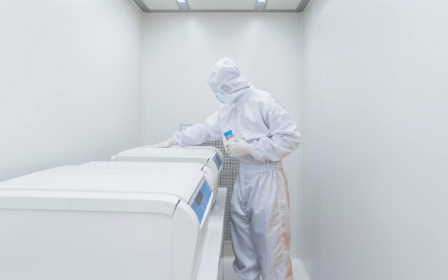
x: 259, y: 213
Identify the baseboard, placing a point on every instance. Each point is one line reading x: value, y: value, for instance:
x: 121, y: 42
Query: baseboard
x: 299, y: 269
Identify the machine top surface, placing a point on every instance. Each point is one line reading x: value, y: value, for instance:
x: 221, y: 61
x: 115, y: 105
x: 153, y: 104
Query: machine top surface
x: 178, y: 179
x: 206, y: 152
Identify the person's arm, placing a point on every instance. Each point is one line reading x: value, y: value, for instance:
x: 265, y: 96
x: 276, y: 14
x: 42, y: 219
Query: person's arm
x: 199, y: 133
x: 284, y: 139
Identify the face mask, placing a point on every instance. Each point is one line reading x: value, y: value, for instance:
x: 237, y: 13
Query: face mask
x: 219, y: 99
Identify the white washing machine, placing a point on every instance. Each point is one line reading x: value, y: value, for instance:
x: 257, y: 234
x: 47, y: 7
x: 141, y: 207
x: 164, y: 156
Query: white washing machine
x: 106, y: 220
x: 208, y: 156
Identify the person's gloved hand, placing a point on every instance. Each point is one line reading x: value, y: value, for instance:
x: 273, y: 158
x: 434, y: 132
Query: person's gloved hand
x: 165, y: 144
x: 239, y: 148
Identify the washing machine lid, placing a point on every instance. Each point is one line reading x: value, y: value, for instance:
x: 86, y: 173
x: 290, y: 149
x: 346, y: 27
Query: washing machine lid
x: 175, y: 151
x: 109, y: 181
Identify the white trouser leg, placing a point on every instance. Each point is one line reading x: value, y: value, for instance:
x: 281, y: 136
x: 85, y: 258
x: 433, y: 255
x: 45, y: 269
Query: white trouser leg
x: 259, y: 217
x: 246, y: 264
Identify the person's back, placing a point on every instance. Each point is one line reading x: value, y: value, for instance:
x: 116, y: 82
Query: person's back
x: 261, y: 115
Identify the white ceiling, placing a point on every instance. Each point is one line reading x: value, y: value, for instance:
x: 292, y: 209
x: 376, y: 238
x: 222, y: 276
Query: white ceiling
x: 282, y: 4
x: 161, y: 4
x: 219, y: 5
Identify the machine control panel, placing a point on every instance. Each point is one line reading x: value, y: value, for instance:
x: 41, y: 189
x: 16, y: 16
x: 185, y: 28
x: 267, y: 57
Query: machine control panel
x: 200, y: 202
x: 217, y: 160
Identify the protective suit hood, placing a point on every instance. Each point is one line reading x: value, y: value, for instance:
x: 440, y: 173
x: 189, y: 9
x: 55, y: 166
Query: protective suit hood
x: 226, y: 81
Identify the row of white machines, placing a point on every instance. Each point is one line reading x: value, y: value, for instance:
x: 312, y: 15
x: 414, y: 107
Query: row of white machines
x: 141, y: 216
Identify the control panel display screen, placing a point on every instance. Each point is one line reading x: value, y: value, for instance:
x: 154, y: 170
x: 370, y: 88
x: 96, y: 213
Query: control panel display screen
x: 199, y: 198
x: 202, y: 200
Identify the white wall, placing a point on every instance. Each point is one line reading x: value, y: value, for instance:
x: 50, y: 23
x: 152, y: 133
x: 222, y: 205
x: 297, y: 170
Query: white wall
x: 374, y: 140
x: 181, y: 48
x: 69, y: 82
x: 420, y: 228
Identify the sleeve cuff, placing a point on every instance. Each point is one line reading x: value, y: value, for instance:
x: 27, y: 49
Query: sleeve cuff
x: 176, y: 139
x: 255, y: 152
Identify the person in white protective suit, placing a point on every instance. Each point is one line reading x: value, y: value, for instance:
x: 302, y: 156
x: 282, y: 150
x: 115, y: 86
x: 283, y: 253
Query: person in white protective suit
x: 263, y: 134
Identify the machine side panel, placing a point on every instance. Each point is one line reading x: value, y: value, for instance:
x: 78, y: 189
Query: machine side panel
x: 73, y: 245
x: 203, y: 233
x: 186, y: 232
x: 93, y: 201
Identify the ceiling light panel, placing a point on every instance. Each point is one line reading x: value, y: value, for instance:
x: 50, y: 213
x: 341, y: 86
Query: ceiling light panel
x: 161, y: 4
x: 221, y: 4
x: 282, y: 4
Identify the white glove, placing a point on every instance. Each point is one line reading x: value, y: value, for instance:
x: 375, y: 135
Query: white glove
x: 165, y: 144
x: 239, y: 148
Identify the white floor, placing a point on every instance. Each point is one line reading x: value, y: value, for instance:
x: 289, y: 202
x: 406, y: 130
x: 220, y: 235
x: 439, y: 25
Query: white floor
x: 298, y: 270
x: 229, y: 273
